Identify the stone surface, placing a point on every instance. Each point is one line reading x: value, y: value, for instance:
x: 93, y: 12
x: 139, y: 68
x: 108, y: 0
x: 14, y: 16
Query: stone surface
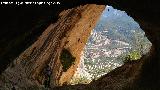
x: 71, y: 31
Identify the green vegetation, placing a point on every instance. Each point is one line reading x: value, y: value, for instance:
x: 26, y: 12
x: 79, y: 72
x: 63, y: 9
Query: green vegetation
x: 133, y: 55
x: 79, y: 80
x: 66, y: 59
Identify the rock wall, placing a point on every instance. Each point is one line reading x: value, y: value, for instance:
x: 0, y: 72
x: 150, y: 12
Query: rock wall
x: 78, y: 36
x: 71, y: 31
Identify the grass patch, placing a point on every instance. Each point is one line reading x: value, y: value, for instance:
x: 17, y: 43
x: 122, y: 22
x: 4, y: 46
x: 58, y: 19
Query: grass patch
x: 66, y: 59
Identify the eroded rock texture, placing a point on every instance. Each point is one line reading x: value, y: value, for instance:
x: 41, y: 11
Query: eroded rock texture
x: 71, y: 31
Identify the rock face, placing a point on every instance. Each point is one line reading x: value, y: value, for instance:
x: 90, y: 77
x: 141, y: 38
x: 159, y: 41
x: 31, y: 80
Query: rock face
x: 20, y: 28
x: 71, y: 32
x: 78, y: 37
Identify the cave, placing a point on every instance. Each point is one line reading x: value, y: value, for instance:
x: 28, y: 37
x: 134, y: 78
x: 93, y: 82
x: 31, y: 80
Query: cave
x: 146, y: 13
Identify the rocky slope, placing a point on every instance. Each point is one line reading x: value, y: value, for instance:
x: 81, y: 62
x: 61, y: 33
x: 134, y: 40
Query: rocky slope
x: 27, y: 69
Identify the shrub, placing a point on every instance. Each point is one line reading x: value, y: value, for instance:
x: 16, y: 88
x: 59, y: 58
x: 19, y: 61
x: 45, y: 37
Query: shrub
x: 66, y: 59
x: 79, y: 80
x: 133, y: 55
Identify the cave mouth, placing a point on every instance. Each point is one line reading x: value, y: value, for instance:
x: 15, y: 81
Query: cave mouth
x: 115, y: 40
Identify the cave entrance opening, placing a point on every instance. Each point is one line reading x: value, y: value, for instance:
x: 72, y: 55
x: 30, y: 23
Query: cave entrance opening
x: 115, y: 40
